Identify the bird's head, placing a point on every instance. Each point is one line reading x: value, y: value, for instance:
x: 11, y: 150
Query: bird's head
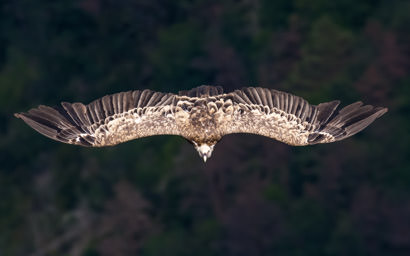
x: 204, y: 150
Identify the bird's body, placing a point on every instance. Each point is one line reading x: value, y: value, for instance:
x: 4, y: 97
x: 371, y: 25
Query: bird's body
x: 202, y: 115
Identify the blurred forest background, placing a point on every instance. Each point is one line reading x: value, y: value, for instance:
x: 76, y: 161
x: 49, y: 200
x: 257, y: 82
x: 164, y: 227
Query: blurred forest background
x: 255, y: 196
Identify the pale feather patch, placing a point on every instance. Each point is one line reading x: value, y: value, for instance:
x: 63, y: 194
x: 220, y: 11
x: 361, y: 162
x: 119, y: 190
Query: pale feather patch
x: 277, y: 124
x: 129, y: 125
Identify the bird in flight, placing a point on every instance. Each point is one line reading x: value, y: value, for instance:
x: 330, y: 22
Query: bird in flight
x: 202, y: 115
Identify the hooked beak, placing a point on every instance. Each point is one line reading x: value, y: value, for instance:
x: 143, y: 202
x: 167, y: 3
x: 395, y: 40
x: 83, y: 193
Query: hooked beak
x: 204, y: 150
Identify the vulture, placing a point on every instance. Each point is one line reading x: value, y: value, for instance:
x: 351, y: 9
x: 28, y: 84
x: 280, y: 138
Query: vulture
x: 202, y: 115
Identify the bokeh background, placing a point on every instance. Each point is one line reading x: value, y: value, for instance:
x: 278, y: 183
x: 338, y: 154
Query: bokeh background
x: 255, y: 196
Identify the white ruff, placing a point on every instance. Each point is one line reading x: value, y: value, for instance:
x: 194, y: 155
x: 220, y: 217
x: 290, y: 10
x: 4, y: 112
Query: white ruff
x: 205, y: 151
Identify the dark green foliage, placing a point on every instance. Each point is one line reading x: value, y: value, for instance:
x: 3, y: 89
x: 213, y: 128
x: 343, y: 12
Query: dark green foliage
x: 254, y: 196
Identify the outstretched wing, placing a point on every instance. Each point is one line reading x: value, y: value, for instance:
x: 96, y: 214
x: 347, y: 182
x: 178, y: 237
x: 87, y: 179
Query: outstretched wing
x: 106, y: 121
x: 292, y: 120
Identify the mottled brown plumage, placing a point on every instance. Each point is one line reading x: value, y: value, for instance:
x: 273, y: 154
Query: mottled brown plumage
x: 202, y: 115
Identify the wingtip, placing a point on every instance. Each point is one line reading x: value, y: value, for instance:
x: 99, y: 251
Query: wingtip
x: 381, y: 111
x: 65, y: 104
x: 353, y: 119
x: 18, y: 115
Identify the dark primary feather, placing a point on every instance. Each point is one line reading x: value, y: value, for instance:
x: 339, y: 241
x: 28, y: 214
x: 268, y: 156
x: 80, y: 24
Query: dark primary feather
x: 349, y: 121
